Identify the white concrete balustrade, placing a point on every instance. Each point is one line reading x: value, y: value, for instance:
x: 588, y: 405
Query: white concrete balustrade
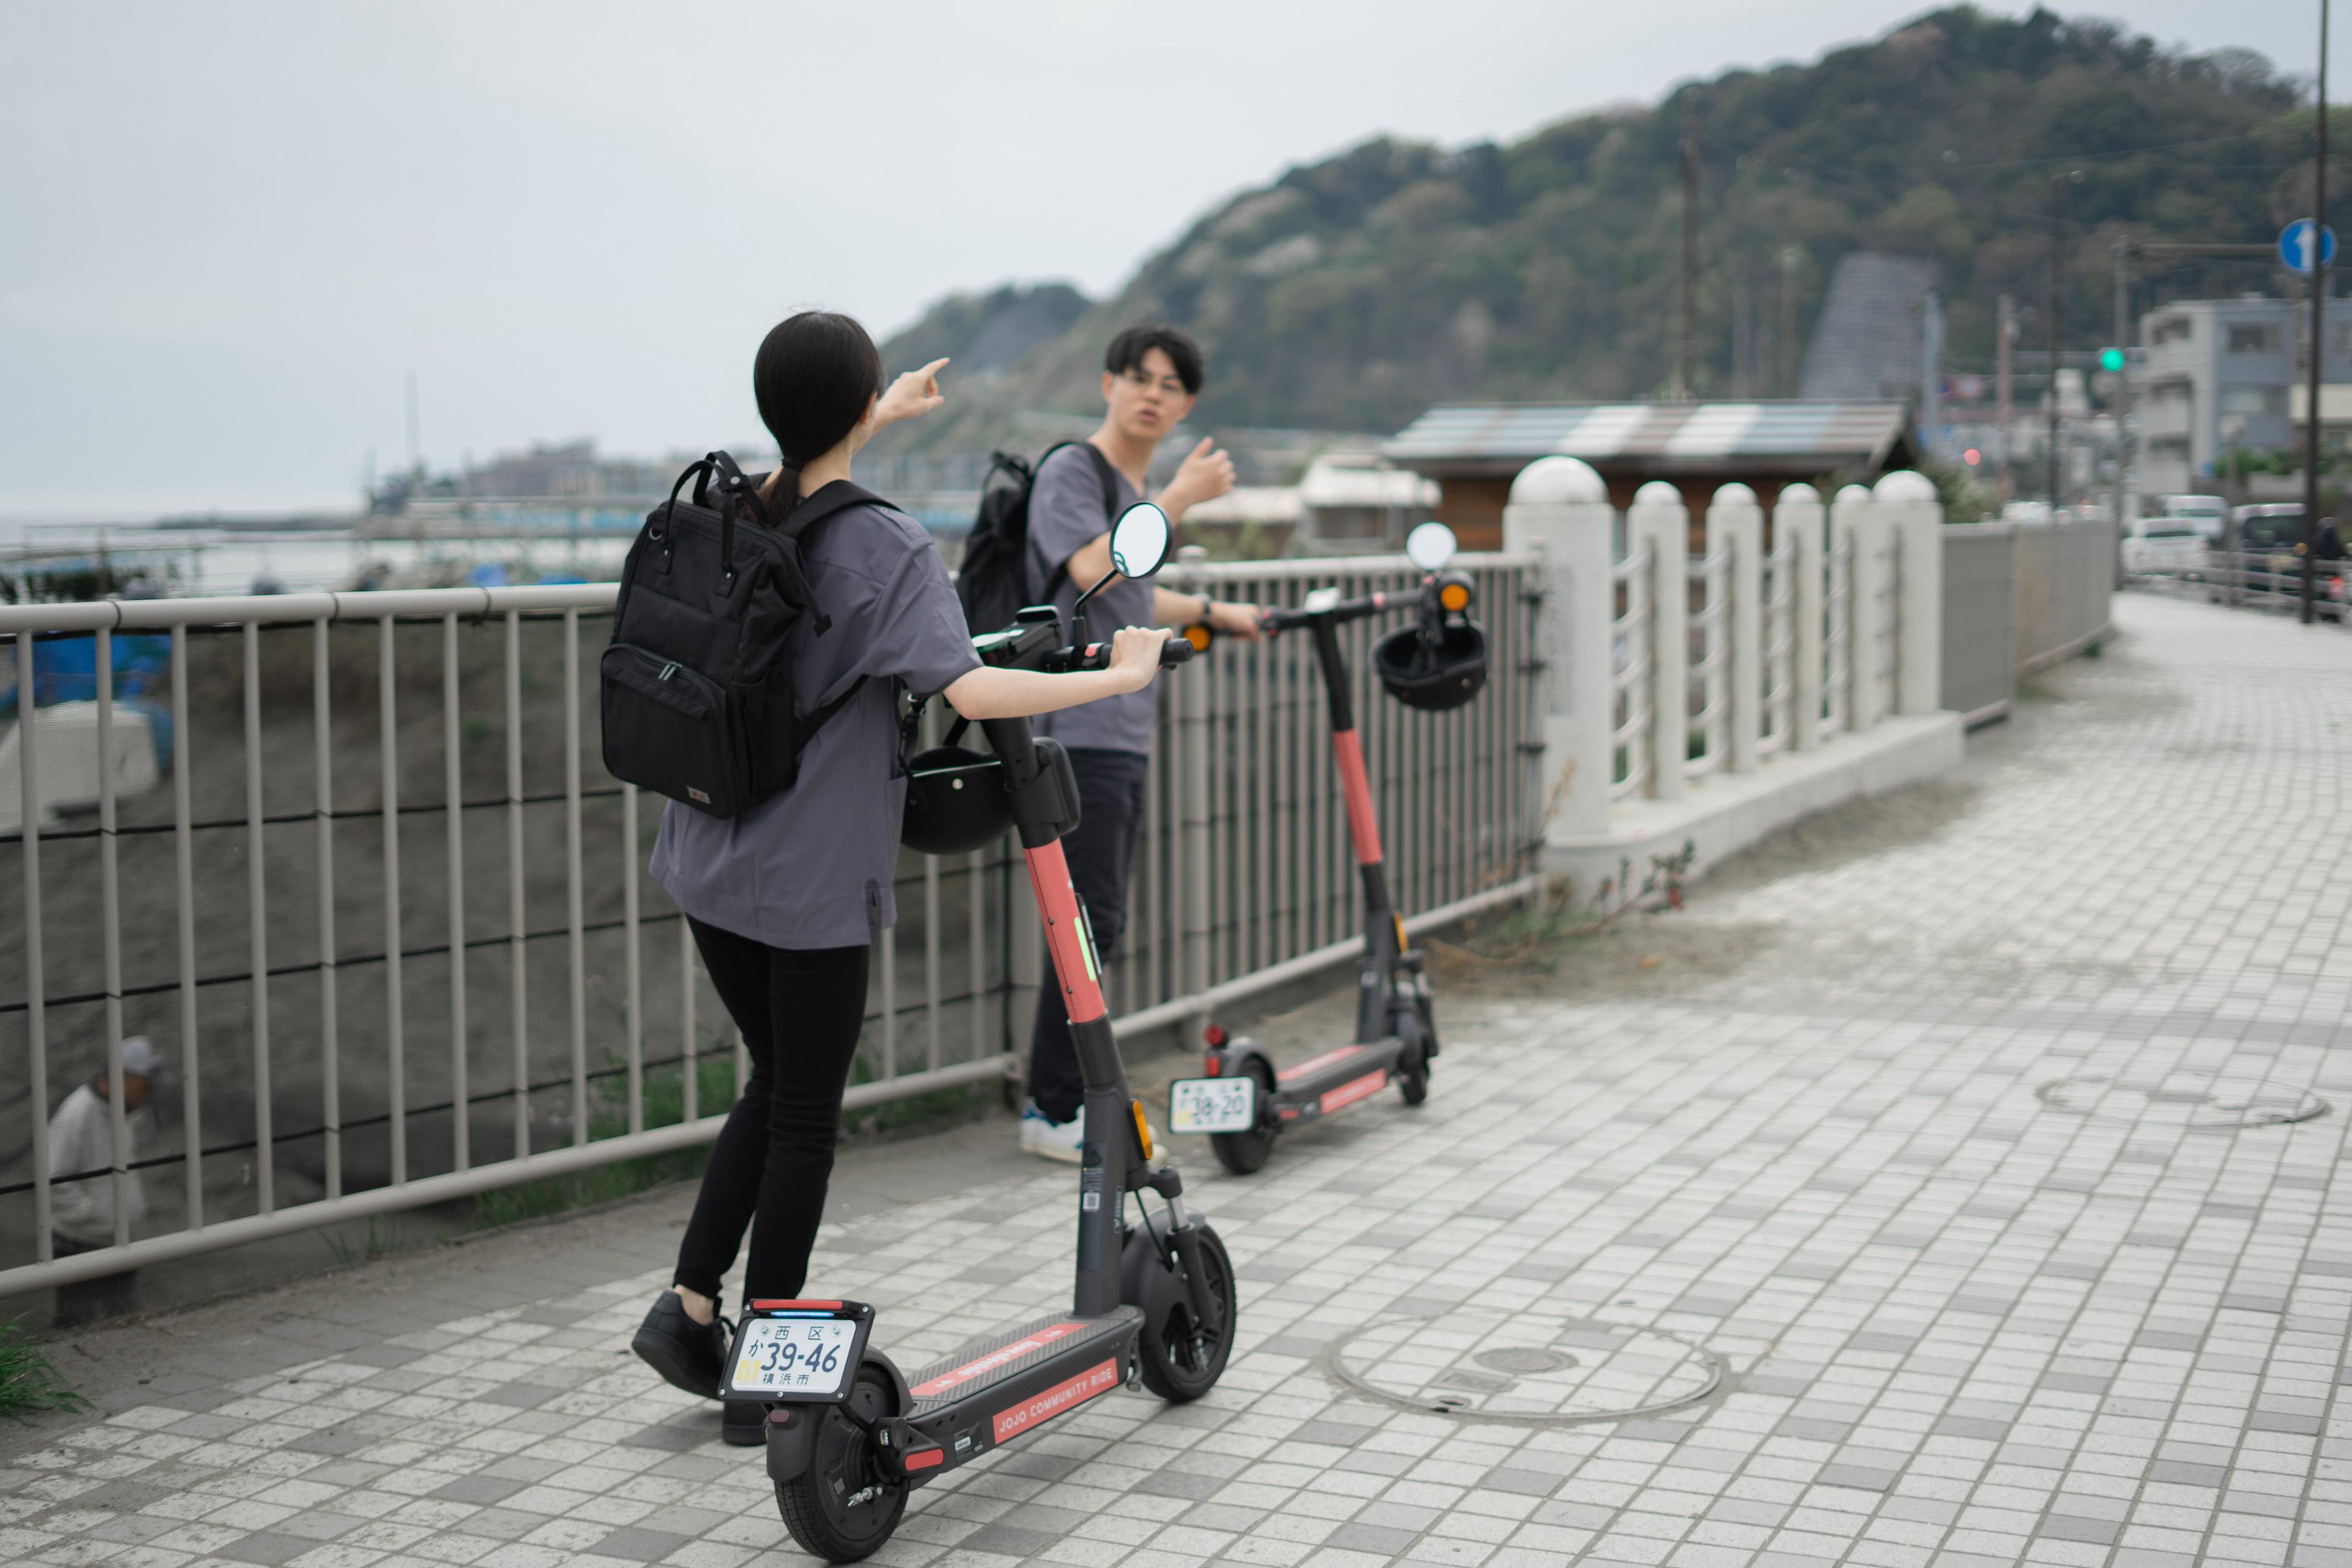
x: 1706, y: 680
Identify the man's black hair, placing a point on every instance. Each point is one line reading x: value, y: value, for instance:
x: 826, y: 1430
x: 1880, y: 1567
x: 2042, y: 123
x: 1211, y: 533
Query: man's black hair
x: 1127, y: 349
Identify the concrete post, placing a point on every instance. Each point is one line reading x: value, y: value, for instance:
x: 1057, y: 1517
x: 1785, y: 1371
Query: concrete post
x: 1797, y: 528
x: 1857, y: 518
x: 1559, y: 509
x: 1907, y: 500
x: 1659, y: 521
x: 1734, y: 521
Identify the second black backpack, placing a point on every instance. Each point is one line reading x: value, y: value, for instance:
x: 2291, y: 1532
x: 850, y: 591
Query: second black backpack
x: 993, y: 580
x: 697, y: 694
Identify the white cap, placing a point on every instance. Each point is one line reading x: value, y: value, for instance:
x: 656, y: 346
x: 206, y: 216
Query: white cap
x: 140, y: 1055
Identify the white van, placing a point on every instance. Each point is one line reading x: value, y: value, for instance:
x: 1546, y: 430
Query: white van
x: 2205, y: 511
x: 2165, y: 547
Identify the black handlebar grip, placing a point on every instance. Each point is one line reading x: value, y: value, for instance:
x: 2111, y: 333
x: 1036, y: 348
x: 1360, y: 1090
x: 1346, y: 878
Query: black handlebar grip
x: 1175, y: 651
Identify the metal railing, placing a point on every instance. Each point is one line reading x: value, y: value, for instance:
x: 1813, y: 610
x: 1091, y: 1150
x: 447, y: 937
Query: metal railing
x: 1780, y: 596
x: 1837, y: 626
x: 389, y: 929
x: 1709, y: 704
x: 2267, y: 580
x: 1881, y: 654
x: 1630, y: 711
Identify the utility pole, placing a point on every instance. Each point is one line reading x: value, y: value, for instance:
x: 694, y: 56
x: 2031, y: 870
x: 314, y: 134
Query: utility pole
x: 2318, y: 338
x: 1686, y: 359
x: 2123, y: 396
x: 1790, y: 255
x: 415, y: 451
x: 2057, y: 311
x: 2007, y: 332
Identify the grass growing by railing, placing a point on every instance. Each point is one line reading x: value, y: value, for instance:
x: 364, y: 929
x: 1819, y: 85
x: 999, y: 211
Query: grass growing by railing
x: 29, y: 1386
x: 608, y: 1116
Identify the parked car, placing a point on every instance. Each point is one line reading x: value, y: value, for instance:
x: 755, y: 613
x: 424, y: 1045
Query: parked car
x: 2164, y: 547
x: 2207, y: 513
x: 2270, y: 557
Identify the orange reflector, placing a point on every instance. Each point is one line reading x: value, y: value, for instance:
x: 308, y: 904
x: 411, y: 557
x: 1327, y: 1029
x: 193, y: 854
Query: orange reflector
x: 1454, y: 597
x: 1143, y: 1127
x: 1198, y: 636
x: 1401, y: 943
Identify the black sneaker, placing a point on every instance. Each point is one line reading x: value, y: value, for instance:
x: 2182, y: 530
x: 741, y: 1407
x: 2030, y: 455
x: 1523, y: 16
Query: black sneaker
x: 745, y: 1425
x: 688, y: 1355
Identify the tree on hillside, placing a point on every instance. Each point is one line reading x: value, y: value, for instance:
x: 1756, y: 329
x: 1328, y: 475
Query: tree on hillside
x: 1355, y: 292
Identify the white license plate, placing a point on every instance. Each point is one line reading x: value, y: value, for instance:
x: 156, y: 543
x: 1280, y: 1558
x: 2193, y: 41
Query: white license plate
x: 1212, y: 1104
x: 793, y: 1355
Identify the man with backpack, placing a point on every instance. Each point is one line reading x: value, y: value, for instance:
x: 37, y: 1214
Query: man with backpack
x: 1151, y: 376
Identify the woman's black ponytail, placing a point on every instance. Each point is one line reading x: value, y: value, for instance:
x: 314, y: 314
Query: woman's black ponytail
x: 814, y: 374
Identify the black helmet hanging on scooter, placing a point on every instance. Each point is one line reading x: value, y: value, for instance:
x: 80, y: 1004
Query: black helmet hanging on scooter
x: 1441, y: 662
x: 1432, y: 667
x: 955, y: 802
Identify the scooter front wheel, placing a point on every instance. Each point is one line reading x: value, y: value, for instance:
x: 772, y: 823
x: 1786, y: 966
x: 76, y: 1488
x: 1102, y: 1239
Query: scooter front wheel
x: 1412, y: 1062
x: 843, y: 1508
x: 1183, y: 1355
x: 1244, y: 1152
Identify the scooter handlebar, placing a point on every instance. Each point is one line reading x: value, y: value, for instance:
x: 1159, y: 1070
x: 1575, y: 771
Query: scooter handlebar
x: 1273, y: 621
x: 1097, y: 655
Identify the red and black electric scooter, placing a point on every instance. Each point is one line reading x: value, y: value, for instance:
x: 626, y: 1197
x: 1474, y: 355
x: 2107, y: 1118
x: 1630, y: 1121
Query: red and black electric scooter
x: 1246, y: 1101
x: 849, y: 1435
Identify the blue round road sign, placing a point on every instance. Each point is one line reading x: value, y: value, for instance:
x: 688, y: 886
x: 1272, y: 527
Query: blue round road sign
x: 2295, y: 246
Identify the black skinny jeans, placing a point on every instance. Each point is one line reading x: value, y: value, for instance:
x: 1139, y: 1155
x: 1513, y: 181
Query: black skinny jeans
x: 800, y: 1011
x: 1101, y: 854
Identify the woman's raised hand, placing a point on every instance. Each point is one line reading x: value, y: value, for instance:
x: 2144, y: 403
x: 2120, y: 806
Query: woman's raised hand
x: 913, y: 395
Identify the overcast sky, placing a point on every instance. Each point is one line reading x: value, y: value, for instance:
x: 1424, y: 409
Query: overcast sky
x: 227, y: 231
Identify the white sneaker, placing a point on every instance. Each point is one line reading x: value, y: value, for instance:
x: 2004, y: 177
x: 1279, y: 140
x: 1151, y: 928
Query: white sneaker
x: 1053, y: 1139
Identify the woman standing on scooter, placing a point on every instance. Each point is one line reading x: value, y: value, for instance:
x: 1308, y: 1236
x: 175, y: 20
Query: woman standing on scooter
x: 786, y: 899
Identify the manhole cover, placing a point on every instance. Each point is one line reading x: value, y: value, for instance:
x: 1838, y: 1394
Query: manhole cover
x: 2188, y: 1103
x: 1529, y: 1369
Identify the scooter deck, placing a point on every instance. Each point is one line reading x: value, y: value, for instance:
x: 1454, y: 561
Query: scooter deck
x: 1336, y: 1079
x: 1000, y: 1385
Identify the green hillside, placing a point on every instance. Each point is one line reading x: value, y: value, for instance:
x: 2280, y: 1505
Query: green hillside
x: 1353, y: 292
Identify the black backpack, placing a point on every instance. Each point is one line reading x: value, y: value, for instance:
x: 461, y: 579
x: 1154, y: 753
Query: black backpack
x: 698, y: 682
x: 993, y: 580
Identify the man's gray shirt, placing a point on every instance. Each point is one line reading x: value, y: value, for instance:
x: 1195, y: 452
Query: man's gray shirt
x: 811, y: 866
x: 1066, y: 514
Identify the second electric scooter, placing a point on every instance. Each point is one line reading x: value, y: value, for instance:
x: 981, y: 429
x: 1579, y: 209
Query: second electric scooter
x: 1246, y: 1101
x: 849, y: 1435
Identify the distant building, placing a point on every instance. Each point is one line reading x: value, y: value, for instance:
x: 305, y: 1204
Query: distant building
x: 2215, y: 374
x: 1473, y: 451
x: 570, y: 471
x: 1880, y: 338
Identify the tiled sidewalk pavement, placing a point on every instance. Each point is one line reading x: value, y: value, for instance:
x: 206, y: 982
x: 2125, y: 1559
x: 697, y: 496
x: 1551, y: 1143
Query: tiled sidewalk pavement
x: 1951, y: 1176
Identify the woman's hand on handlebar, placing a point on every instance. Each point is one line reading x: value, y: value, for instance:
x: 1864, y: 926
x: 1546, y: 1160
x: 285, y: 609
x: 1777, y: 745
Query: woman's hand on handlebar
x: 1135, y: 655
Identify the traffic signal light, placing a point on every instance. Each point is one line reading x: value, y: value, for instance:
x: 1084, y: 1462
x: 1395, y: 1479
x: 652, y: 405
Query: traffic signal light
x: 2111, y: 360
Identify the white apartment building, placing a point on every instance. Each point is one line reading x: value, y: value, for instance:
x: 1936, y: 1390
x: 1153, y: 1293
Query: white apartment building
x: 2210, y: 364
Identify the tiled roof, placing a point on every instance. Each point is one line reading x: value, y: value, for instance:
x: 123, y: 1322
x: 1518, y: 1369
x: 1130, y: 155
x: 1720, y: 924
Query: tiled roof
x: 1661, y: 434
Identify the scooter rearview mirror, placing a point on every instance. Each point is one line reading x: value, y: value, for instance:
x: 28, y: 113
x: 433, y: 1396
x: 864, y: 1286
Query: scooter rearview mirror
x: 1139, y: 540
x: 1430, y: 545
x: 1139, y: 547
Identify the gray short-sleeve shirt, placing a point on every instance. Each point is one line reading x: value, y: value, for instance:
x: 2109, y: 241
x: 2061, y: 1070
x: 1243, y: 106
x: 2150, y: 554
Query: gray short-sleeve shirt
x: 811, y: 866
x: 1065, y: 515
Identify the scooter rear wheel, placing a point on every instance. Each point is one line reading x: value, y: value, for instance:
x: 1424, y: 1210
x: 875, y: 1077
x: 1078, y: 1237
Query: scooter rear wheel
x: 1244, y: 1152
x: 843, y: 1508
x: 1182, y: 1359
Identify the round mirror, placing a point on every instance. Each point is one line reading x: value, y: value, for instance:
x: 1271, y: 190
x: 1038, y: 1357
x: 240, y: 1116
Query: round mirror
x: 1139, y: 540
x: 1430, y: 545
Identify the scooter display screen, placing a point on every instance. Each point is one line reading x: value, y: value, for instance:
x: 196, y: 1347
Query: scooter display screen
x: 810, y: 1357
